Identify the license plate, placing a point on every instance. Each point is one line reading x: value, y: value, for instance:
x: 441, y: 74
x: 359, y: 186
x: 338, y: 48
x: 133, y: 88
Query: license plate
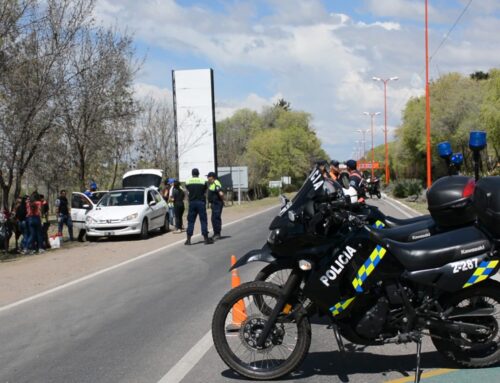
x: 109, y: 233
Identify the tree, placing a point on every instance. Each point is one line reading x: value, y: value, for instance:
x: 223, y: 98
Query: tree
x: 40, y: 39
x: 283, y: 104
x: 96, y: 104
x: 233, y: 135
x: 490, y: 112
x: 156, y: 136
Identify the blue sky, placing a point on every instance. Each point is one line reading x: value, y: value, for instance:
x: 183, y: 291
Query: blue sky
x: 318, y: 55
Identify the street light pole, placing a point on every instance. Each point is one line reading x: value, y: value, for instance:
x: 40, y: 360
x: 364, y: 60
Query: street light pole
x: 385, y: 81
x: 372, y: 115
x: 363, y: 132
x: 427, y: 100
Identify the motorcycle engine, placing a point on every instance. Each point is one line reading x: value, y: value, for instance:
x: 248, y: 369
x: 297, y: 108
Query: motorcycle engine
x: 372, y: 323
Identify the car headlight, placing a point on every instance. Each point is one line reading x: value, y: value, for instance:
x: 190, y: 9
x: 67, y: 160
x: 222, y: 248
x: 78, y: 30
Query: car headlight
x: 130, y: 217
x: 89, y: 220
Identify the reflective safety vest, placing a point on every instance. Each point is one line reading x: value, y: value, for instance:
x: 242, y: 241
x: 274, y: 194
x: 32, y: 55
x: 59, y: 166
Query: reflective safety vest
x: 213, y: 191
x: 196, y: 188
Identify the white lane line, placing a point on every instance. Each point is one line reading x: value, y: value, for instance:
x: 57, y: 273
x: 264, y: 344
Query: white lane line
x: 406, y: 214
x: 124, y: 263
x: 189, y: 360
x: 405, y: 206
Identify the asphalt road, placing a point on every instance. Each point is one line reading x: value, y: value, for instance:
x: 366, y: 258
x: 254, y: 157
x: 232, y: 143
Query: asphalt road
x: 149, y: 321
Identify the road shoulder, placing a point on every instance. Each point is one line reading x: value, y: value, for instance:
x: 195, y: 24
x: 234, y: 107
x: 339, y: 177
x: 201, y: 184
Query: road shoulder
x: 27, y: 276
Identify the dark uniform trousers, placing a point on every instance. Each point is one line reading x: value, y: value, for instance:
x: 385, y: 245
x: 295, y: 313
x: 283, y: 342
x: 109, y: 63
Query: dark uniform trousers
x: 217, y: 206
x: 197, y: 208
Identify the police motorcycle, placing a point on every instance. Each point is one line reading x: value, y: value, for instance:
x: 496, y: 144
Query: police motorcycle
x: 374, y: 289
x: 403, y: 230
x: 373, y: 187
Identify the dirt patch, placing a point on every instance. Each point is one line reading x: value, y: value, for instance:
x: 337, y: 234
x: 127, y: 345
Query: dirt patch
x: 28, y: 275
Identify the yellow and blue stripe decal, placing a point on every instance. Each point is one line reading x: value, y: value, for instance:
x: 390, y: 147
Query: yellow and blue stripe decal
x: 482, y: 272
x: 341, y: 306
x: 368, y: 267
x: 378, y: 224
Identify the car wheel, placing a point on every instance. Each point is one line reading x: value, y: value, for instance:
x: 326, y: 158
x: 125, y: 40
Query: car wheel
x: 166, y: 226
x: 144, y: 229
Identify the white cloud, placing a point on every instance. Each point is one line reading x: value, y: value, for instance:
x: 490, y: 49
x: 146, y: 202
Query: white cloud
x: 319, y: 61
x: 149, y: 91
x: 224, y: 109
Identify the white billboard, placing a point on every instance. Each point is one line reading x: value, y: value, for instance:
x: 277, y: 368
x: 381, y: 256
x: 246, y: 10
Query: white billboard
x: 195, y: 121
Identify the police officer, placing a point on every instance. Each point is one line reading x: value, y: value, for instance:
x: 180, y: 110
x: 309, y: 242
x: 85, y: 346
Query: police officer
x: 197, y: 188
x: 216, y: 199
x: 334, y: 170
x: 355, y: 178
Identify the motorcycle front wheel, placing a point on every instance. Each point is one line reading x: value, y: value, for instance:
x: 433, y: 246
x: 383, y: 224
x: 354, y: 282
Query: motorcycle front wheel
x: 278, y: 275
x: 238, y: 322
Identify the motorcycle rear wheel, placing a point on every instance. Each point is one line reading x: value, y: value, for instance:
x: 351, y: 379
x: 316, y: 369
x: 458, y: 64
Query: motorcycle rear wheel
x: 479, y: 351
x: 284, y: 349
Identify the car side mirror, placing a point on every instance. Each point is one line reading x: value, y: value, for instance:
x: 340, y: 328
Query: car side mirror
x: 87, y: 206
x: 152, y: 203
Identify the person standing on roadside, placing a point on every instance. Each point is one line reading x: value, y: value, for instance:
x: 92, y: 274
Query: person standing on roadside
x: 170, y: 202
x: 216, y: 200
x: 197, y: 189
x: 45, y: 221
x: 177, y: 198
x: 63, y: 216
x: 35, y: 224
x: 21, y: 213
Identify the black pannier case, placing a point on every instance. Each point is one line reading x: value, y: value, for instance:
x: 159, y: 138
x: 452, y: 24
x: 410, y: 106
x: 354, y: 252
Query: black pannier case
x: 487, y: 204
x: 448, y: 205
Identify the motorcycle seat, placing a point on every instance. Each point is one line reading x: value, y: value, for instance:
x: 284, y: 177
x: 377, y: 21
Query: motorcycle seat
x: 406, y: 233
x: 394, y: 222
x: 439, y: 249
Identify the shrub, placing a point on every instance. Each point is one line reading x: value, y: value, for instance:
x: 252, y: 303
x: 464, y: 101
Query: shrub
x: 406, y: 188
x: 399, y: 190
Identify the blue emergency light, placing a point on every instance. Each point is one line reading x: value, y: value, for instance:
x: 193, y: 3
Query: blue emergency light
x: 444, y: 149
x: 477, y: 140
x: 457, y: 159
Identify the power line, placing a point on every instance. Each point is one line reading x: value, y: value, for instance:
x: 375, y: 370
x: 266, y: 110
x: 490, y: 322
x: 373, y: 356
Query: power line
x: 451, y: 30
x: 446, y: 36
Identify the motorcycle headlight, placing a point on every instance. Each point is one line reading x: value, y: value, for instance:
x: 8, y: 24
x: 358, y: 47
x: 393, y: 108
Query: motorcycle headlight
x: 130, y: 217
x: 273, y: 236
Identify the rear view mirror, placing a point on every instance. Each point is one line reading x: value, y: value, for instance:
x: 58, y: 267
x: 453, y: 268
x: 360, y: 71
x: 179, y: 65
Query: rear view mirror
x: 152, y: 203
x: 284, y: 201
x: 87, y: 206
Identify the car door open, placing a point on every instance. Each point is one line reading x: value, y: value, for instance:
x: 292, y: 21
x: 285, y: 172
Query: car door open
x: 80, y: 206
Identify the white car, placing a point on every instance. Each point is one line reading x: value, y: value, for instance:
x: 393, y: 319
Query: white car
x: 128, y: 211
x: 81, y: 204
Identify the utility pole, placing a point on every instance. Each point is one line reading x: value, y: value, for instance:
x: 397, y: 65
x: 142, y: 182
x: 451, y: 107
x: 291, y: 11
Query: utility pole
x: 427, y: 100
x: 372, y: 115
x: 385, y: 81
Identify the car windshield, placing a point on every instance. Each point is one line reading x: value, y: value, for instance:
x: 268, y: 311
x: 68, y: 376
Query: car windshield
x: 123, y: 198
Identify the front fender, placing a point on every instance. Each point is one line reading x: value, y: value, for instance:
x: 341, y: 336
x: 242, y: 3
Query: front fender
x: 258, y: 255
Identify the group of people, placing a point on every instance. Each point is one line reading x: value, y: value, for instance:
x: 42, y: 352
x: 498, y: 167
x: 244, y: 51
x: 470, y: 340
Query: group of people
x: 31, y: 221
x: 350, y: 177
x: 199, y: 191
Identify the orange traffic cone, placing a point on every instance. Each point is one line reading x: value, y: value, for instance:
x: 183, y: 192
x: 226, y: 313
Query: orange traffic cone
x: 239, y: 312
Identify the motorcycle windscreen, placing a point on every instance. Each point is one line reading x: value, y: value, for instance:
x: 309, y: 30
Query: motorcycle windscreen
x: 313, y: 187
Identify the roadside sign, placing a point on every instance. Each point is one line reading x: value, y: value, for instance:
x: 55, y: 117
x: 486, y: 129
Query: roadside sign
x: 286, y: 180
x: 275, y: 184
x: 368, y: 165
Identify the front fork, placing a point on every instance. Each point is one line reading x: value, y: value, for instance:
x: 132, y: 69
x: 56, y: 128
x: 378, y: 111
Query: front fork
x: 291, y: 285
